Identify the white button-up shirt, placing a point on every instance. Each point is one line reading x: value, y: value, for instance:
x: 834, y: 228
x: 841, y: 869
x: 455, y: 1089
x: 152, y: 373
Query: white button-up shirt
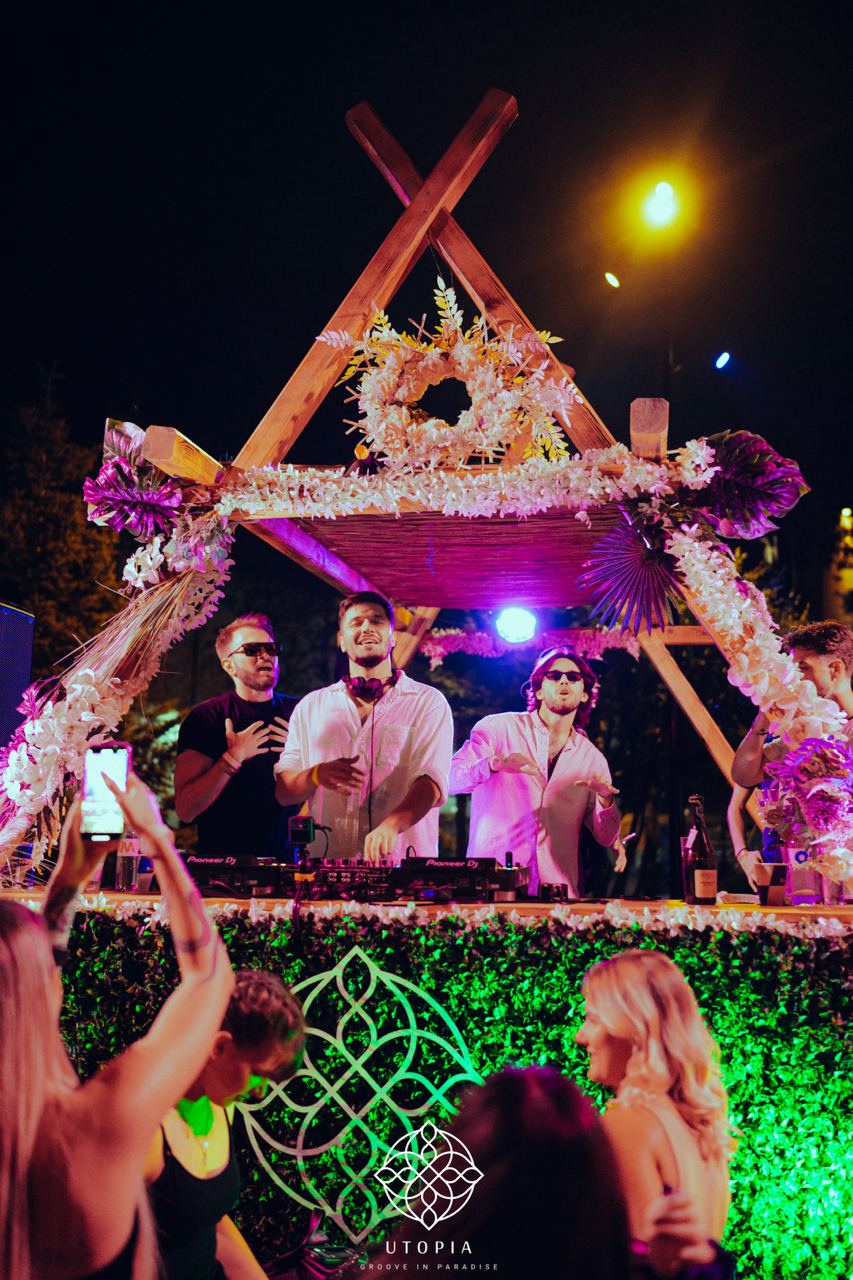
x: 408, y: 734
x: 538, y: 819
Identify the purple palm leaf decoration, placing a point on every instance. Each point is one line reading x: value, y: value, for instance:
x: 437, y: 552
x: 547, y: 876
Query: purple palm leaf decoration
x: 752, y: 488
x: 632, y: 576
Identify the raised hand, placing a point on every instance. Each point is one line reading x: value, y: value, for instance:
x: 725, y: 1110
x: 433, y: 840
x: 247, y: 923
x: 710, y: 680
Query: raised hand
x: 140, y: 807
x: 515, y: 762
x: 249, y: 742
x: 342, y: 775
x: 79, y: 857
x: 600, y: 787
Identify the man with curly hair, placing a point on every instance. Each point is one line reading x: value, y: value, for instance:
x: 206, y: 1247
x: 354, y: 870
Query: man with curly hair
x: 536, y: 778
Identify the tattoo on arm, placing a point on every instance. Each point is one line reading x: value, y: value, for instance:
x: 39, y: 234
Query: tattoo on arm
x: 191, y: 946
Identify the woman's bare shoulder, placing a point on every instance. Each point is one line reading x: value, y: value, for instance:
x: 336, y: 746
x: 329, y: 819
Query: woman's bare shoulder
x: 627, y: 1122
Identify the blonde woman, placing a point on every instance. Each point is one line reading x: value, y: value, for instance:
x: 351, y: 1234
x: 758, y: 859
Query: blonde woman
x: 668, y: 1123
x: 72, y: 1203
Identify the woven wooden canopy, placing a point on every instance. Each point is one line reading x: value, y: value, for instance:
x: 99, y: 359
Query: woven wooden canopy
x: 453, y: 562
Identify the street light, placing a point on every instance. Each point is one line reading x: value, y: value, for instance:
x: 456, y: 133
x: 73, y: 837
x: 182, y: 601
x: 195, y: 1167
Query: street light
x: 661, y: 207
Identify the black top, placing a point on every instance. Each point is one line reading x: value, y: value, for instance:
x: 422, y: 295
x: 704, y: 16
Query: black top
x: 245, y: 819
x: 187, y: 1209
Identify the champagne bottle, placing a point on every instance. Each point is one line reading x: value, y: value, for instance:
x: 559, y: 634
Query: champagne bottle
x: 701, y: 864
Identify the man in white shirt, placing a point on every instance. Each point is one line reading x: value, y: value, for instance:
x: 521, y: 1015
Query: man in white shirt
x: 536, y: 777
x: 371, y: 753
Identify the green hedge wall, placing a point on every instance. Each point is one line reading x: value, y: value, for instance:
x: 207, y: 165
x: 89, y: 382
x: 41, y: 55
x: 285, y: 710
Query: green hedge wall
x: 777, y: 1004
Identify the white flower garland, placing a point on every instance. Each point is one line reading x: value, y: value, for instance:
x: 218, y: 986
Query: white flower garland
x: 653, y: 917
x: 760, y: 667
x: 591, y: 479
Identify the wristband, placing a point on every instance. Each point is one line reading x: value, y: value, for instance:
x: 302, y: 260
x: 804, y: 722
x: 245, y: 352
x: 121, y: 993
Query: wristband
x: 740, y: 852
x: 314, y: 777
x: 229, y: 764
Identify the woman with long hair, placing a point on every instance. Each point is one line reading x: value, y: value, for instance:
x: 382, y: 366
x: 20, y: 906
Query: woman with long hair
x: 72, y: 1199
x: 668, y: 1122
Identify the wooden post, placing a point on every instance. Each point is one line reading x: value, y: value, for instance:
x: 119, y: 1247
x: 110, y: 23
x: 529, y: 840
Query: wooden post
x: 493, y: 299
x: 407, y: 643
x: 649, y: 428
x: 694, y: 708
x: 176, y: 455
x: 308, y: 386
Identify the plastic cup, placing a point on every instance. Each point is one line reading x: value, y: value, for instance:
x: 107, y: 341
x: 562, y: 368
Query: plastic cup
x: 127, y: 866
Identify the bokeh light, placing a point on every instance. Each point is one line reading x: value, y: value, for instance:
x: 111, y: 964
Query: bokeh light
x: 516, y: 625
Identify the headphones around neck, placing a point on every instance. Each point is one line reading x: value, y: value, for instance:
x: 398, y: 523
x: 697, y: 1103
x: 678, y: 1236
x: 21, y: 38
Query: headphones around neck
x: 369, y: 688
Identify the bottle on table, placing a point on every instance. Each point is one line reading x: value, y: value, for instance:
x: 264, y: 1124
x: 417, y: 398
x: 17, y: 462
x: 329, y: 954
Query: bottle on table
x: 700, y: 861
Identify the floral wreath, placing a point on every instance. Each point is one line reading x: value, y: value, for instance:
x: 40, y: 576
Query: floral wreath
x: 668, y: 542
x: 510, y: 394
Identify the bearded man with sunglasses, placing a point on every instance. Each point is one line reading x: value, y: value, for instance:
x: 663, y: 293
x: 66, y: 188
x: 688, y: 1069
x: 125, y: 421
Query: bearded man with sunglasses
x: 227, y: 748
x: 535, y: 777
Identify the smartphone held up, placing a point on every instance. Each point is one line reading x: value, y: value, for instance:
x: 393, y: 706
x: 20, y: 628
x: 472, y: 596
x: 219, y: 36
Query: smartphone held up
x: 100, y: 816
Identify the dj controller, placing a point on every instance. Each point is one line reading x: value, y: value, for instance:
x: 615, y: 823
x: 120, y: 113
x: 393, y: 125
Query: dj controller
x: 418, y: 879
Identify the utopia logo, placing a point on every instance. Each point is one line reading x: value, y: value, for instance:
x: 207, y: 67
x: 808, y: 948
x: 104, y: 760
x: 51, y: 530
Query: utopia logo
x: 429, y: 1175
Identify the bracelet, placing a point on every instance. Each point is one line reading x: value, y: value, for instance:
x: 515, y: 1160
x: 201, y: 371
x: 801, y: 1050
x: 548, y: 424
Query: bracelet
x: 314, y: 777
x: 229, y: 764
x: 740, y: 852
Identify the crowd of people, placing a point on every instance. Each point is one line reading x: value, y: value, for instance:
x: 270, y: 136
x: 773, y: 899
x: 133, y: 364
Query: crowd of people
x: 132, y: 1173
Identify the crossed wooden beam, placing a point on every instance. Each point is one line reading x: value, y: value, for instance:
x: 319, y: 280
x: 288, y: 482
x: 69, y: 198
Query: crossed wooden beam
x: 426, y: 219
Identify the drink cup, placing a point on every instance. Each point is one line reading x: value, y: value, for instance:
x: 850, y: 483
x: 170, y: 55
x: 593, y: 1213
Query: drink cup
x: 770, y: 883
x: 127, y: 866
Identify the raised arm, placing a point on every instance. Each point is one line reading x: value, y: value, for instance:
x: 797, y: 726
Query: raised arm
x: 130, y: 1096
x: 748, y: 763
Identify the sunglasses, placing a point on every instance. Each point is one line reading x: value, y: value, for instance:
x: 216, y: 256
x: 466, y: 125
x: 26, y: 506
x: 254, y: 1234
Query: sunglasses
x: 255, y: 648
x: 572, y: 676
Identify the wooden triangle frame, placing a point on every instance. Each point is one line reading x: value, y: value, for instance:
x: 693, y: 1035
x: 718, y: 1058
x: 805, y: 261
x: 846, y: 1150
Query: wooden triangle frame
x: 427, y: 220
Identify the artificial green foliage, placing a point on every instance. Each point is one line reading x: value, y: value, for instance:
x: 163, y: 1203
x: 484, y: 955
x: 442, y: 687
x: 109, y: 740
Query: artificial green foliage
x: 779, y: 1007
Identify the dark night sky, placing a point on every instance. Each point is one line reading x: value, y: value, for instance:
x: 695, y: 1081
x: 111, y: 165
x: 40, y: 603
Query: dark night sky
x: 186, y: 207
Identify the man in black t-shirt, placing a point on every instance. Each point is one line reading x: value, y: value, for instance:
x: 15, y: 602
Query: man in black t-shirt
x: 227, y: 748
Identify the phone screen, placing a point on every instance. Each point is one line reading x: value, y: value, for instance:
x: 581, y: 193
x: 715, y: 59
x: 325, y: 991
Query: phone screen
x: 101, y: 815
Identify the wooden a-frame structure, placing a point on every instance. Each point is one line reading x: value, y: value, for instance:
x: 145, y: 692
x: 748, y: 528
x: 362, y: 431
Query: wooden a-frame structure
x: 420, y: 556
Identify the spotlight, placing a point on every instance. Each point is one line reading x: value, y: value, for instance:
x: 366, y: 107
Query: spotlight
x: 515, y: 625
x: 612, y: 280
x: 722, y: 360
